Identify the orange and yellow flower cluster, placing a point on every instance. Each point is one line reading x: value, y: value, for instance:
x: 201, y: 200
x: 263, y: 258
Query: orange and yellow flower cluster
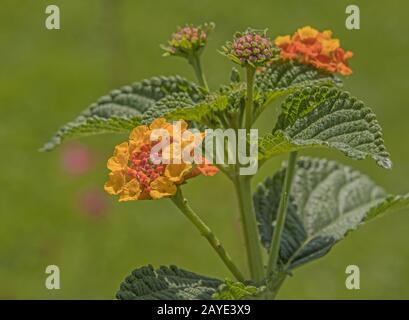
x: 308, y: 45
x: 134, y: 176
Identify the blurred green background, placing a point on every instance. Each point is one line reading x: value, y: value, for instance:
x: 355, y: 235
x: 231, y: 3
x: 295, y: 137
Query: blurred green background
x: 48, y: 76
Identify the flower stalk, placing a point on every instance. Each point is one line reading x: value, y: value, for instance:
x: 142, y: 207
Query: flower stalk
x: 205, y: 231
x: 249, y: 224
x: 195, y: 62
x: 249, y: 97
x: 272, y: 267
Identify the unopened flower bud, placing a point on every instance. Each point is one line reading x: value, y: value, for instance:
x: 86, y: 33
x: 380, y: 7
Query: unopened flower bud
x: 188, y: 40
x: 251, y: 47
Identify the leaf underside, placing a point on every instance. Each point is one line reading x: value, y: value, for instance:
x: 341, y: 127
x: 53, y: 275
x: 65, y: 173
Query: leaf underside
x: 166, y: 283
x: 327, y: 200
x: 326, y: 117
x: 123, y: 109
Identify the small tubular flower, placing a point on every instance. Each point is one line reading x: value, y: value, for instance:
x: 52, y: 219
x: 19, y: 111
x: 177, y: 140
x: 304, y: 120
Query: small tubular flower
x: 188, y: 40
x: 308, y: 45
x: 251, y: 47
x: 135, y: 173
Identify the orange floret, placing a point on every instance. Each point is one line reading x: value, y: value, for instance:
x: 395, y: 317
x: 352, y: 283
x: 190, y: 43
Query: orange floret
x: 308, y: 45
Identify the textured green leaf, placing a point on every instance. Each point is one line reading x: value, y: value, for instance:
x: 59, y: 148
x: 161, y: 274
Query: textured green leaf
x: 283, y: 77
x: 231, y: 290
x: 203, y: 112
x: 326, y: 117
x: 288, y: 74
x: 166, y: 283
x: 181, y: 106
x: 122, y: 109
x: 168, y: 104
x: 178, y: 106
x: 327, y: 200
x: 235, y: 75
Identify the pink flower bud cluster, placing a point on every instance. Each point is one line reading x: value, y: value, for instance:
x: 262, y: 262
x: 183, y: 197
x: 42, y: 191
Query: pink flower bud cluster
x: 188, y: 40
x: 193, y: 35
x: 250, y: 48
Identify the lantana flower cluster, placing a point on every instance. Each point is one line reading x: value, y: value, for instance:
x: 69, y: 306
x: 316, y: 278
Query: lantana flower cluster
x: 135, y: 176
x: 308, y: 45
x: 250, y: 48
x: 188, y: 40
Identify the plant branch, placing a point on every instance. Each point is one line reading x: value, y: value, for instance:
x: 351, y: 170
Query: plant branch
x: 272, y: 267
x: 205, y: 231
x: 249, y: 96
x: 274, y: 287
x: 249, y: 223
x: 194, y: 60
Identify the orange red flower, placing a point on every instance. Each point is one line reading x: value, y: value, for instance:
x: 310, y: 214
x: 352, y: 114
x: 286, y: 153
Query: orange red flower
x: 135, y: 176
x: 308, y: 45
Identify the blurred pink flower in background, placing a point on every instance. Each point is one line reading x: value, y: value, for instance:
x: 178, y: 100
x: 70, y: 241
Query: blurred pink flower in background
x: 76, y: 159
x: 94, y: 202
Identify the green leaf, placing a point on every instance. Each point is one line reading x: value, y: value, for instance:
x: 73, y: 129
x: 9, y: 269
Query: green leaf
x: 122, y: 109
x: 176, y: 100
x: 166, y: 283
x: 234, y: 75
x: 288, y: 74
x: 326, y: 117
x: 231, y: 290
x: 180, y: 106
x: 283, y: 77
x: 327, y: 201
x: 201, y: 112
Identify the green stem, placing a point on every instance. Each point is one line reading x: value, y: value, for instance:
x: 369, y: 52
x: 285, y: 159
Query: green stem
x: 249, y: 97
x: 197, y: 66
x: 272, y: 267
x: 248, y: 217
x: 205, y: 231
x: 225, y: 170
x: 274, y: 287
